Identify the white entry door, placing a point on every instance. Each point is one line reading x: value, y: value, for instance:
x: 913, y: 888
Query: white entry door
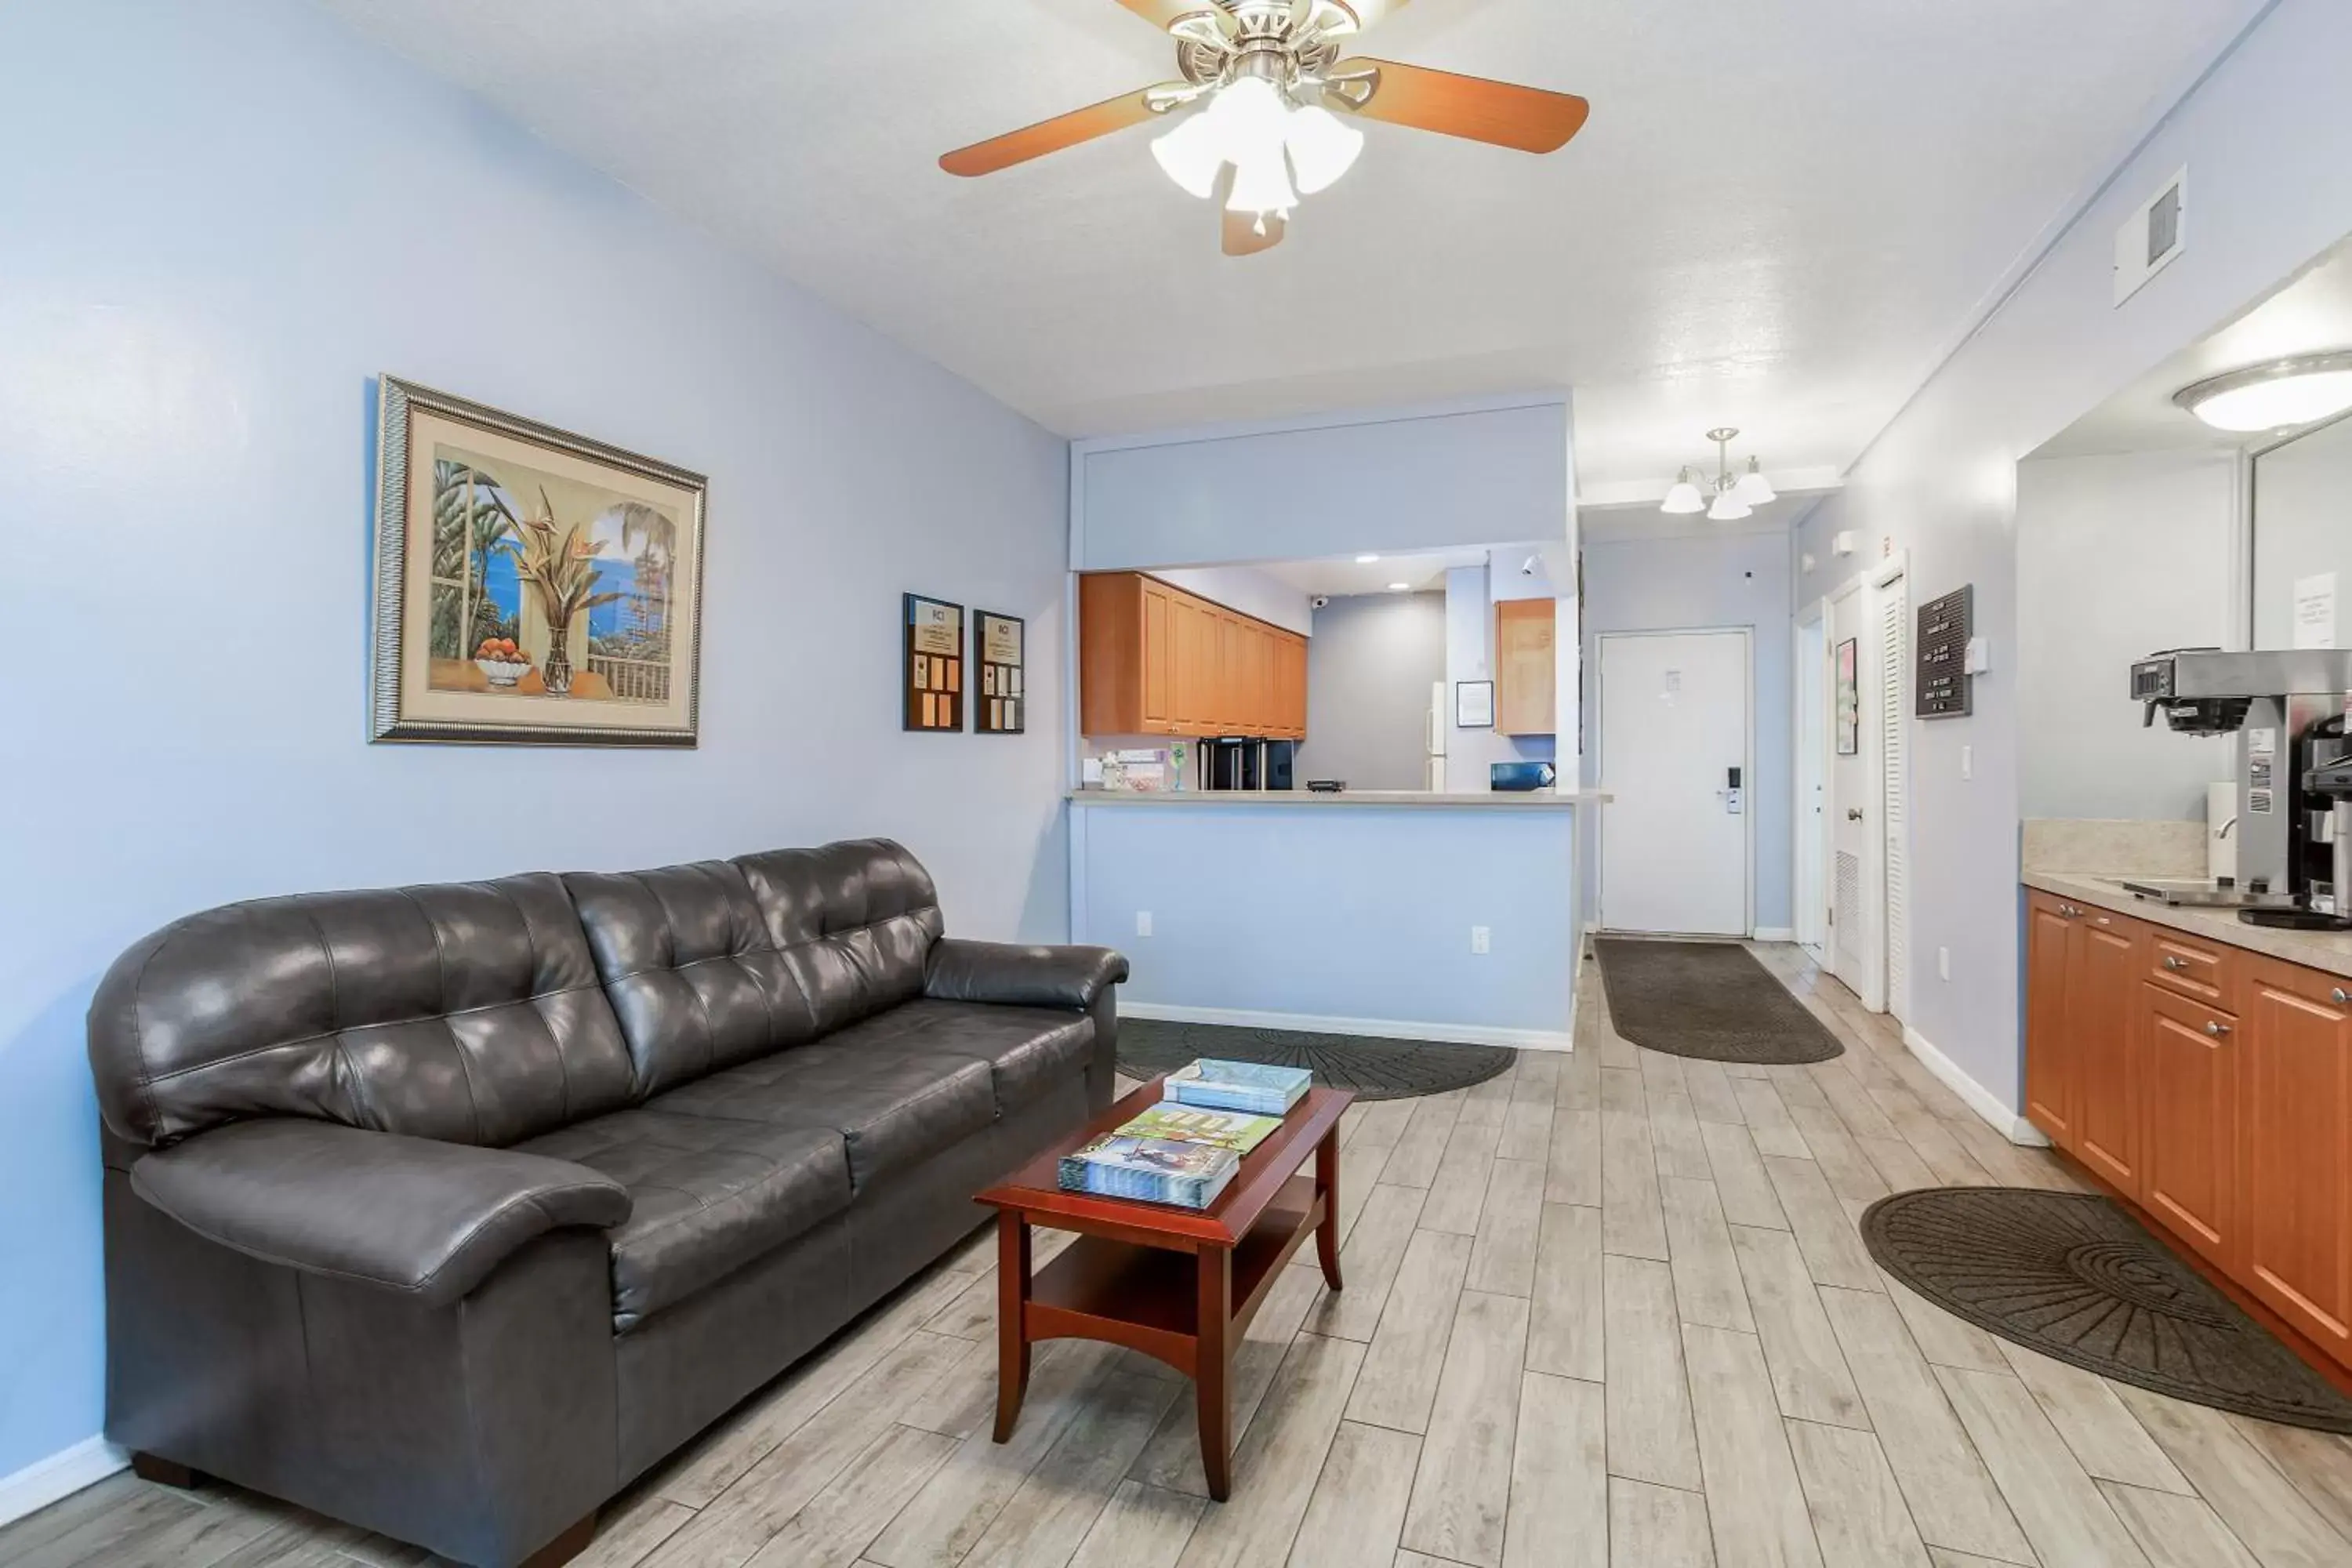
x: 1852, y: 795
x: 1674, y: 727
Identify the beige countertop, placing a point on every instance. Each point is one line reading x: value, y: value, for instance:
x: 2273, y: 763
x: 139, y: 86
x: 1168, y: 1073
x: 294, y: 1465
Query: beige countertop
x: 1494, y: 800
x: 2328, y: 951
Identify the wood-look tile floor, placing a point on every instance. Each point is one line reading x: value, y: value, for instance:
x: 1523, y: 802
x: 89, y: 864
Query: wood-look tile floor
x: 1608, y: 1310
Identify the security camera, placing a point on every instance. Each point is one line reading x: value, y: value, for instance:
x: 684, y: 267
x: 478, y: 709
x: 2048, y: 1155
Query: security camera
x: 1527, y: 567
x: 1320, y: 600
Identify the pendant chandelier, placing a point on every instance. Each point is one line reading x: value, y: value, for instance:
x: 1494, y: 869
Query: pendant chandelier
x: 1728, y: 497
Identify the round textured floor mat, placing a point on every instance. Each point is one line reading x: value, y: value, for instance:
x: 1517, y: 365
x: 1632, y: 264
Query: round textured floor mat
x: 1706, y: 999
x: 1374, y: 1068
x: 2074, y: 1276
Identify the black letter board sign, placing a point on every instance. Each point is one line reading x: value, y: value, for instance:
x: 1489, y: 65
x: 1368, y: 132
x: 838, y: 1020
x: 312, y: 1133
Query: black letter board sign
x: 1941, y: 683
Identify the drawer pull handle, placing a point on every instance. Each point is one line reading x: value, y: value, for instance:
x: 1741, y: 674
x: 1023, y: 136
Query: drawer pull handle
x: 2217, y: 1030
x: 2103, y: 920
x: 2343, y: 997
x: 2175, y: 964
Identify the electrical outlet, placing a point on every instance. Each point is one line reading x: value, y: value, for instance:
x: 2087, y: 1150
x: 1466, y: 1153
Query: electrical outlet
x: 1143, y: 923
x: 1943, y: 963
x: 1479, y: 939
x: 1967, y: 761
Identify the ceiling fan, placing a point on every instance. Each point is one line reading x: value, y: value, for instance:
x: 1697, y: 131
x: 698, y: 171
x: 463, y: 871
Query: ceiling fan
x: 1271, y: 74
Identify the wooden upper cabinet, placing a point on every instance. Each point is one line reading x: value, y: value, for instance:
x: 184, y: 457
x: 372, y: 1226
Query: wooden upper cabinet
x: 1156, y: 660
x: 2048, y: 1050
x: 2295, y: 1148
x: 1526, y: 667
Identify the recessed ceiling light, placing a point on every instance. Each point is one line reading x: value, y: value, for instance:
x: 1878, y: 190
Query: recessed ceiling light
x: 2300, y: 390
x: 1400, y: 587
x: 1365, y: 560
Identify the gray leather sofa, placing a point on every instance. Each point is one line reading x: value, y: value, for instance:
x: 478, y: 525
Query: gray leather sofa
x: 448, y: 1211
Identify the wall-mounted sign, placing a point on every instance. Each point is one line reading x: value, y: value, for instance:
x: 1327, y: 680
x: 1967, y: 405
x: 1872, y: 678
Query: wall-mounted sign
x: 934, y: 681
x: 1003, y: 706
x: 1940, y: 682
x: 1474, y: 704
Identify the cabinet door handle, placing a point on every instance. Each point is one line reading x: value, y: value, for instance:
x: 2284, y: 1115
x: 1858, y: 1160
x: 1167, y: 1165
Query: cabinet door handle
x: 2343, y: 997
x: 2175, y: 964
x: 2217, y: 1030
x: 2103, y: 920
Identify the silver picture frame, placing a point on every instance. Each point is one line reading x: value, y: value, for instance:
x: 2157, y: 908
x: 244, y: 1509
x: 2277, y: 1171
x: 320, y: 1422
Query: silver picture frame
x: 392, y: 715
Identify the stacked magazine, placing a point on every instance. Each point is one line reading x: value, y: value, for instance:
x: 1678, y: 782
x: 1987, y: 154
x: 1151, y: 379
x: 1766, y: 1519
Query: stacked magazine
x: 1179, y: 1152
x: 1258, y: 1087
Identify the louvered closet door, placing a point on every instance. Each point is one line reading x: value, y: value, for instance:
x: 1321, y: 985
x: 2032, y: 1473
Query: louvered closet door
x: 1894, y: 705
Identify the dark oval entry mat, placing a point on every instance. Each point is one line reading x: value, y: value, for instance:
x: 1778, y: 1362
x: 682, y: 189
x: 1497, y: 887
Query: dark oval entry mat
x: 1374, y: 1068
x: 1706, y: 999
x: 2074, y: 1276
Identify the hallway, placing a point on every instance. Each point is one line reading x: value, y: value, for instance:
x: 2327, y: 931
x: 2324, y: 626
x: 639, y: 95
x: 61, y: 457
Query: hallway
x: 1608, y: 1309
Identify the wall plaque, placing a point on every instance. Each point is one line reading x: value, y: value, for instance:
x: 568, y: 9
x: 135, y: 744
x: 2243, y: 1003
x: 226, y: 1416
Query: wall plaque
x: 1940, y: 681
x: 1003, y: 707
x: 934, y: 675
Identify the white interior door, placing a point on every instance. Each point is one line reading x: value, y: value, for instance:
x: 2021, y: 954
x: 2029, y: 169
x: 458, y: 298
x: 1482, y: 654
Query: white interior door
x: 1812, y: 751
x: 1675, y: 728
x: 1850, y: 791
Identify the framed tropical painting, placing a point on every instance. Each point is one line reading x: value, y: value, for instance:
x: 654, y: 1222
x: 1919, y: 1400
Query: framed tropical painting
x: 531, y: 586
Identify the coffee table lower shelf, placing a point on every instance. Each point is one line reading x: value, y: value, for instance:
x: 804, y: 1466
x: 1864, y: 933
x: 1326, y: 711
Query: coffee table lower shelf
x: 1178, y: 1285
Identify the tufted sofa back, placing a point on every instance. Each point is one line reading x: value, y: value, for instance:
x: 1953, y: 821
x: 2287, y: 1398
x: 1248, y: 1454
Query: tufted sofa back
x: 487, y: 1012
x: 714, y: 963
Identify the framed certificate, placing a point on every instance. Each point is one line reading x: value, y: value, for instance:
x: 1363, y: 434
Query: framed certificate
x: 1474, y: 704
x: 934, y: 665
x: 1003, y: 706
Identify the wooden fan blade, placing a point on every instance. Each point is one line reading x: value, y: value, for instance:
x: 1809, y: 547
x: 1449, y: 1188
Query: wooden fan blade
x: 1050, y: 135
x: 1241, y: 238
x: 1500, y: 112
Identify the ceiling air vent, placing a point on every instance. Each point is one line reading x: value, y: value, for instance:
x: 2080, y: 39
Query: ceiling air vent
x: 2152, y: 237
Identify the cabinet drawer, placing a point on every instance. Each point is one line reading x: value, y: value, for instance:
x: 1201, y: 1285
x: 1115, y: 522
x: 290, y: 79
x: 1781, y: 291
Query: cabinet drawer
x: 2193, y: 968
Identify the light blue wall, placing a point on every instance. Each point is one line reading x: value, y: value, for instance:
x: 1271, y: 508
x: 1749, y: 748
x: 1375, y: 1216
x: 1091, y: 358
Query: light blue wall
x: 1700, y: 582
x: 1336, y: 912
x: 1394, y: 483
x: 216, y: 224
x: 2265, y: 134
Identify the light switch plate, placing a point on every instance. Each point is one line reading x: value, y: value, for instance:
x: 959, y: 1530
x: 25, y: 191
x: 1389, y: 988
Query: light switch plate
x: 1143, y: 923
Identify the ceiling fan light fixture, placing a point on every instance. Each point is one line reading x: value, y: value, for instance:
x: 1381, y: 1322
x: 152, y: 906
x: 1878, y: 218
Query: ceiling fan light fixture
x: 1754, y: 487
x: 1262, y: 184
x: 1322, y: 147
x: 1684, y: 498
x: 1192, y: 155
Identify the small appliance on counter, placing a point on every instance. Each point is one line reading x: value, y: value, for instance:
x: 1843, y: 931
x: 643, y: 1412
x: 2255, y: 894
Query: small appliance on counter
x: 2286, y: 709
x: 1521, y: 778
x: 1244, y: 762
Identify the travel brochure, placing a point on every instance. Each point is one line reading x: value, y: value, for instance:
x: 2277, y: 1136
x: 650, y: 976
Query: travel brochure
x: 1184, y: 1151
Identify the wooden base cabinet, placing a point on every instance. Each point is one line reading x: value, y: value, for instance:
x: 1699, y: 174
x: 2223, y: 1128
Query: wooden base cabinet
x: 2212, y: 1086
x: 2296, y: 1088
x: 1156, y: 660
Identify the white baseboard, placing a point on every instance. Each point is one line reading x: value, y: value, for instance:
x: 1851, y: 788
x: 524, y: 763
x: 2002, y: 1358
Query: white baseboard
x: 1379, y: 1029
x: 1775, y: 934
x: 61, y: 1475
x: 1979, y: 1099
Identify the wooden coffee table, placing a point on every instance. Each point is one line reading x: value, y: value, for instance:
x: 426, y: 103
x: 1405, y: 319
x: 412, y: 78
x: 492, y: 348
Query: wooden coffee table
x: 1180, y: 1284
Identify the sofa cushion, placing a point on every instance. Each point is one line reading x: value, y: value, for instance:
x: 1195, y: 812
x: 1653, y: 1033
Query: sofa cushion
x: 715, y: 964
x: 1027, y: 1050
x: 467, y: 1012
x: 711, y: 1195
x: 895, y: 1109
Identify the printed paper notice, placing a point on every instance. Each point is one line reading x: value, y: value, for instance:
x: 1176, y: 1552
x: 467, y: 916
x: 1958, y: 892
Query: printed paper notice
x: 2314, y: 611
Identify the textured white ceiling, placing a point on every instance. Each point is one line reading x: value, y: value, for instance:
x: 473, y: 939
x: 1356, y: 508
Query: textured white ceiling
x: 1779, y: 216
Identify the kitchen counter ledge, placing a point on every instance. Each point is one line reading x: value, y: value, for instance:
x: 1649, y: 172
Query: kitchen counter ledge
x: 1495, y: 800
x: 2328, y: 951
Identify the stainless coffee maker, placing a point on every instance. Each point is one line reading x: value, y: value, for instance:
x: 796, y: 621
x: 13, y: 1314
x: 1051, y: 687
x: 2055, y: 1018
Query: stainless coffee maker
x: 2287, y: 710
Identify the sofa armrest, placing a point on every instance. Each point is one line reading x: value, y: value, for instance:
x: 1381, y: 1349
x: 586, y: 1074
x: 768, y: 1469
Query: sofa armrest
x: 427, y: 1219
x: 1016, y: 976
